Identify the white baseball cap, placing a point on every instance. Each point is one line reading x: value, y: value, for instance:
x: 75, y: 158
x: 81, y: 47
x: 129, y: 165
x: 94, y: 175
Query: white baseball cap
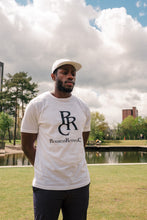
x: 62, y: 62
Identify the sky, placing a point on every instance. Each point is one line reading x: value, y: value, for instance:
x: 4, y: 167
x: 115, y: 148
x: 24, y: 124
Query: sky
x: 108, y: 37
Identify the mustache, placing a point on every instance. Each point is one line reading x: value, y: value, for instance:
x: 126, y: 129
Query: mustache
x: 70, y: 81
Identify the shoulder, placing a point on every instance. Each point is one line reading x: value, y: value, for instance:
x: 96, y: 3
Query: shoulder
x: 81, y: 103
x: 37, y: 103
x: 41, y: 98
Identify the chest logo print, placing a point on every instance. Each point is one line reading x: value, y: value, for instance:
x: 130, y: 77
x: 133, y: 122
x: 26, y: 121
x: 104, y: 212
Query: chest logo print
x: 68, y: 123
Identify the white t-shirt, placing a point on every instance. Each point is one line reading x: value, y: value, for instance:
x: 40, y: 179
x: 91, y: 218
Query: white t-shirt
x: 60, y: 162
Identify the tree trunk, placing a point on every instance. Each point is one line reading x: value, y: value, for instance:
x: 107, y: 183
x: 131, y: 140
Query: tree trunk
x: 9, y: 135
x: 22, y: 110
x: 15, y: 126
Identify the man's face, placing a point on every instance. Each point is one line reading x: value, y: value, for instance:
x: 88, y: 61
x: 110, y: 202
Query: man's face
x: 65, y: 78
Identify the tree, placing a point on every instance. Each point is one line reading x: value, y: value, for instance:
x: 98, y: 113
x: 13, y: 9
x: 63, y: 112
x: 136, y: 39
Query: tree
x: 139, y: 127
x: 98, y: 126
x: 132, y: 128
x: 18, y: 90
x: 128, y: 127
x: 6, y: 122
x: 145, y: 128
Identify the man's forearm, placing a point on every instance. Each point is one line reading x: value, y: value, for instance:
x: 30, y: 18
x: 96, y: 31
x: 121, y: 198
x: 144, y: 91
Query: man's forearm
x: 28, y: 146
x: 85, y: 137
x: 30, y: 153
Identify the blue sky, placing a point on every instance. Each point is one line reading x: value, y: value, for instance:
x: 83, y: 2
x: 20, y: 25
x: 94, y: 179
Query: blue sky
x: 136, y: 8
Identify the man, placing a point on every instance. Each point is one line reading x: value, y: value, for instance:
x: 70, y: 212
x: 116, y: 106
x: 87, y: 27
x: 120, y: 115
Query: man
x: 60, y: 123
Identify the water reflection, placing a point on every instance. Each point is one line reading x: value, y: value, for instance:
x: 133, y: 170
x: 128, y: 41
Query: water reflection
x: 14, y: 159
x: 92, y: 157
x: 116, y: 157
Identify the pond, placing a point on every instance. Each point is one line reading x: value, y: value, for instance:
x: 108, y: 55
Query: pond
x: 14, y: 159
x: 92, y: 157
x: 115, y: 157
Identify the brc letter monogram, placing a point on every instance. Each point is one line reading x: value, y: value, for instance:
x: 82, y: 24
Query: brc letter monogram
x: 68, y: 122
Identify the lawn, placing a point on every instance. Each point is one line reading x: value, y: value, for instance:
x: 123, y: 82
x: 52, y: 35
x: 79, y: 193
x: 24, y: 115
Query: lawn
x: 106, y: 142
x: 125, y: 142
x: 116, y: 192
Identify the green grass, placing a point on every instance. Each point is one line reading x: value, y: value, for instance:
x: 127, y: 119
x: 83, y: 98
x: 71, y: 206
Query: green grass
x: 116, y: 192
x: 8, y: 143
x: 125, y: 142
x: 107, y: 142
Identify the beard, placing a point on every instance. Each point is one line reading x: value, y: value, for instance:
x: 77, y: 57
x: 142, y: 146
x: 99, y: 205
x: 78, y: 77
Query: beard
x: 62, y: 88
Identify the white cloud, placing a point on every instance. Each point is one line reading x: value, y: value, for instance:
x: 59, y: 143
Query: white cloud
x: 141, y: 14
x: 110, y: 102
x: 89, y: 96
x: 138, y: 4
x: 145, y: 4
x: 113, y: 55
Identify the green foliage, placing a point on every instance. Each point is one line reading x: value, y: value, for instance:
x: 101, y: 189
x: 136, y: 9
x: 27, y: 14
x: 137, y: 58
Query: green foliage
x: 18, y: 90
x: 98, y: 126
x: 133, y: 128
x: 6, y: 122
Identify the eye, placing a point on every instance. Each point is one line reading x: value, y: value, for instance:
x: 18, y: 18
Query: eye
x: 73, y: 74
x: 65, y: 72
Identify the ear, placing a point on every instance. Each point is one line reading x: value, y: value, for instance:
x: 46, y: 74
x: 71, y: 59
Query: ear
x: 53, y: 76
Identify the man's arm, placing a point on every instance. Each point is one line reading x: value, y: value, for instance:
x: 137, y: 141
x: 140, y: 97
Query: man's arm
x: 28, y: 147
x: 85, y: 137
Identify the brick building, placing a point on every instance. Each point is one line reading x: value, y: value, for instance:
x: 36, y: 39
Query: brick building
x: 132, y: 112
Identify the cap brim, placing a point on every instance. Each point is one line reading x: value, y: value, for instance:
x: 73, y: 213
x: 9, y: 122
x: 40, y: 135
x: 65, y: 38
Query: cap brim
x: 76, y: 65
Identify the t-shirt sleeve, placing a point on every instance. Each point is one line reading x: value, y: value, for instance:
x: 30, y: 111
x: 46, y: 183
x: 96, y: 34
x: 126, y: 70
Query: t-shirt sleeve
x: 88, y: 120
x: 30, y: 120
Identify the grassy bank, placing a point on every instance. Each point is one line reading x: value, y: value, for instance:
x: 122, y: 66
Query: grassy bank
x: 116, y: 192
x: 125, y: 142
x: 106, y: 142
x: 18, y: 142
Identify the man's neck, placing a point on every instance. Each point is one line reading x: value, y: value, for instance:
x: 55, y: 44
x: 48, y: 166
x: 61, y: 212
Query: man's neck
x: 61, y: 94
